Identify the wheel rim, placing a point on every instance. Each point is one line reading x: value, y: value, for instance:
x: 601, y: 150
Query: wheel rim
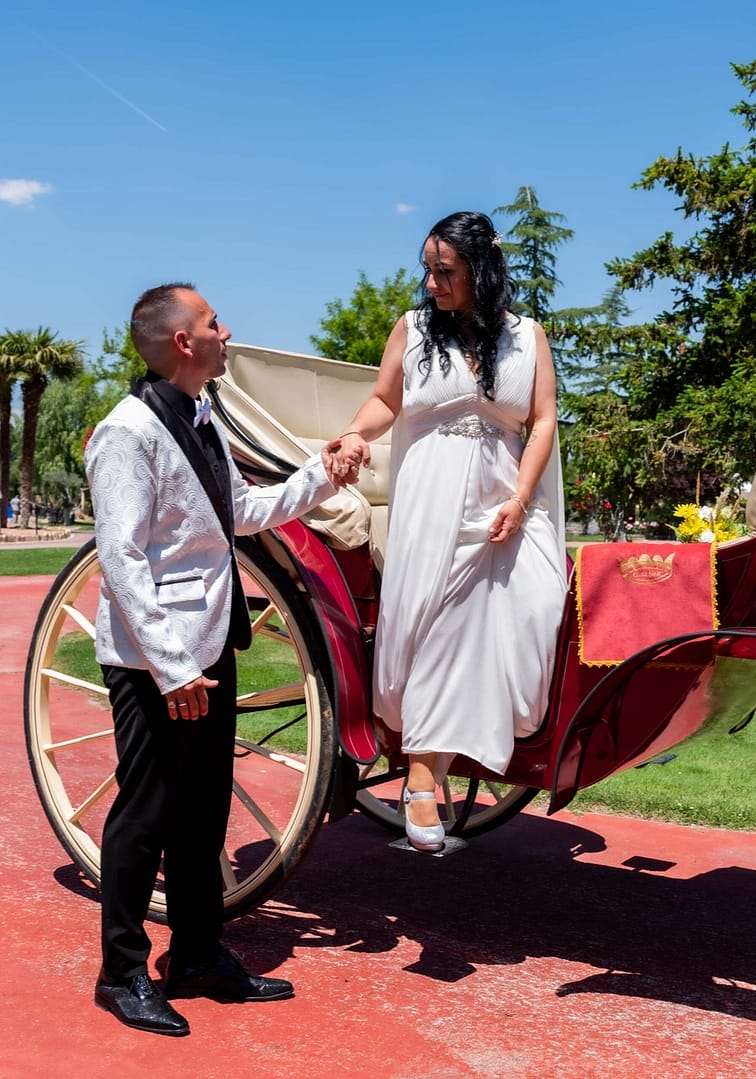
x: 280, y: 780
x: 466, y: 806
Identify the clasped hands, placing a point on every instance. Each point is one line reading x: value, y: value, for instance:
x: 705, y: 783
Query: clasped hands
x: 342, y: 465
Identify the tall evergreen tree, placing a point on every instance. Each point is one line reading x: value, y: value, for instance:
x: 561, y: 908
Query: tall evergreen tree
x: 530, y: 247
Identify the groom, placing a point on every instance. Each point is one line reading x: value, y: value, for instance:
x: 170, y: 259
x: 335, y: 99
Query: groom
x: 168, y: 501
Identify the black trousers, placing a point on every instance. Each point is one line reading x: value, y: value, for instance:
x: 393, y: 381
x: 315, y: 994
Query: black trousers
x: 174, y: 796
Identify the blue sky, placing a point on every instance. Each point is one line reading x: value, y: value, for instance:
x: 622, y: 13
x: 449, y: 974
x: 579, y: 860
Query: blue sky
x: 269, y: 152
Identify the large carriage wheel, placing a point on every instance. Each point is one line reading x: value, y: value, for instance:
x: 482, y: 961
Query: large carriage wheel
x: 468, y: 806
x: 285, y: 739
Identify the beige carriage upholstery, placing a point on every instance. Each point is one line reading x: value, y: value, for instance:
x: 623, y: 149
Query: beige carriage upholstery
x: 293, y: 404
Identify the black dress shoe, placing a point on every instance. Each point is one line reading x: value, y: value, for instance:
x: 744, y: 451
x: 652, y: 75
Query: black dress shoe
x: 138, y: 1003
x: 224, y: 979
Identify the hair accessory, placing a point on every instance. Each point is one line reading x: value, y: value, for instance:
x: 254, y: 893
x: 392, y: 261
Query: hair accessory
x: 496, y: 239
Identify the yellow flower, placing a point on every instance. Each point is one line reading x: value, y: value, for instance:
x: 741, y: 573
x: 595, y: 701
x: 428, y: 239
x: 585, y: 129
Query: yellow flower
x: 708, y: 524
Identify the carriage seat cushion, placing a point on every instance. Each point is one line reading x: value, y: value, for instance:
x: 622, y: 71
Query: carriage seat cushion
x: 314, y: 399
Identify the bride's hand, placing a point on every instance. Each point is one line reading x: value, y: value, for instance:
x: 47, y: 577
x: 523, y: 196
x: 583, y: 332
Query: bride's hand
x: 508, y: 521
x: 355, y: 447
x: 341, y: 467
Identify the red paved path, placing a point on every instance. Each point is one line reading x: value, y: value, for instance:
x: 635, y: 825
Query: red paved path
x: 565, y: 947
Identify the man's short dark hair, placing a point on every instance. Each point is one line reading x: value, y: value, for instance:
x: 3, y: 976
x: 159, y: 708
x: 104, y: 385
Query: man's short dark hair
x: 154, y: 318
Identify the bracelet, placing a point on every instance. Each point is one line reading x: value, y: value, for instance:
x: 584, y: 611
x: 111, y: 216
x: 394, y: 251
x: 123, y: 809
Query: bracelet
x: 519, y: 501
x: 352, y: 433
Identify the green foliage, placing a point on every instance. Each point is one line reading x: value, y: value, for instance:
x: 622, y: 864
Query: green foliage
x: 65, y: 415
x: 357, y: 333
x: 120, y: 365
x: 63, y: 402
x: 605, y: 449
x: 36, y: 356
x: 71, y: 409
x: 685, y: 382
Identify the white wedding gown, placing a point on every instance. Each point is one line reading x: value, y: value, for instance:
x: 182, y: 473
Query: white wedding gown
x: 467, y: 628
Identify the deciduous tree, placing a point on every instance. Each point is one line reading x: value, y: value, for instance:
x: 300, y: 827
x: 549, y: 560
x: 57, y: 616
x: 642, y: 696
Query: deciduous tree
x: 358, y: 331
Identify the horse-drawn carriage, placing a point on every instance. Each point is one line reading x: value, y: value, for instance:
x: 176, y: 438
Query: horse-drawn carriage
x: 308, y: 744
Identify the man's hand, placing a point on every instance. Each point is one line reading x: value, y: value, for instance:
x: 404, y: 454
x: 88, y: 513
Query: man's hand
x: 190, y: 701
x: 341, y: 468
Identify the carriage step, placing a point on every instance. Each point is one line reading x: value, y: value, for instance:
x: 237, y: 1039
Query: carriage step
x: 452, y: 844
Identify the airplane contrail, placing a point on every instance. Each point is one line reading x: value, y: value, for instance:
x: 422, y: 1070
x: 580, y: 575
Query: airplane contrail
x: 130, y: 104
x: 120, y: 97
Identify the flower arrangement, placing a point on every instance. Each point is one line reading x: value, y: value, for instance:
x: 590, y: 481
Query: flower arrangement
x: 709, y: 524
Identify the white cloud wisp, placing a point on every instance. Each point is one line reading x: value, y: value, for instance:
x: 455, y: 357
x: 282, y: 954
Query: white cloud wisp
x: 22, y: 192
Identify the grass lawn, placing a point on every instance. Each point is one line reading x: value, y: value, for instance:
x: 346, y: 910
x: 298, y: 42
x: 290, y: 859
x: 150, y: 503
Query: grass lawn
x: 23, y: 562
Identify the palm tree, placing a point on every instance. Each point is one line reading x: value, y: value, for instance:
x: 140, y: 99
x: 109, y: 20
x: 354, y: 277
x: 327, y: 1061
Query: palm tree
x: 8, y: 376
x: 36, y: 355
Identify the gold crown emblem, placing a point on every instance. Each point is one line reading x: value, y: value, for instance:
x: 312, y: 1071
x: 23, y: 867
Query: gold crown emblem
x: 647, y: 569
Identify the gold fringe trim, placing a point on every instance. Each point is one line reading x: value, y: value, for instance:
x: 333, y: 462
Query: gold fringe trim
x: 580, y: 617
x: 714, y: 603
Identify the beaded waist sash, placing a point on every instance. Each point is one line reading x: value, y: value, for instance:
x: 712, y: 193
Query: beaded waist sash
x: 470, y: 427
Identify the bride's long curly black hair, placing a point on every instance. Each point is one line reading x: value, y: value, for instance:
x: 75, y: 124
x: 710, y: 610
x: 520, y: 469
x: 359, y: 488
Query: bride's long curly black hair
x: 474, y: 238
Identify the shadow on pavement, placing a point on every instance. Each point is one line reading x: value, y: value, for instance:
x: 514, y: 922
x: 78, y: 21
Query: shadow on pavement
x: 518, y: 893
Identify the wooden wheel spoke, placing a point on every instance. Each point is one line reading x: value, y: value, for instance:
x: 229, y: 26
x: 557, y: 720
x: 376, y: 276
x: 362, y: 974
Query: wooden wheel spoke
x: 69, y: 743
x: 254, y: 809
x: 462, y: 812
x: 494, y: 789
x: 94, y: 797
x: 279, y: 793
x: 273, y: 755
x: 451, y: 813
x: 261, y: 625
x: 80, y: 619
x: 273, y: 697
x: 227, y: 870
x: 70, y: 680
